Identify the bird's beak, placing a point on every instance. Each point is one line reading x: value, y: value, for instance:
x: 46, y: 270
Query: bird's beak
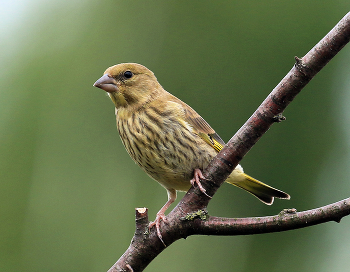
x: 107, y: 83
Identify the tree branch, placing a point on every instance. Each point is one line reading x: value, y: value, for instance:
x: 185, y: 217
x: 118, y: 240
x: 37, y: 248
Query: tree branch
x: 190, y: 217
x: 286, y: 220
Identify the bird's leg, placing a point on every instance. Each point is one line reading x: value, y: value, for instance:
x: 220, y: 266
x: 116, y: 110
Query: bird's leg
x: 161, y: 213
x: 197, y: 176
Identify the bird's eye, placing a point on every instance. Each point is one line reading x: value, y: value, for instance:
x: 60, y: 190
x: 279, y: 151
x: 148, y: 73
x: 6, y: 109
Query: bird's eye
x: 128, y: 74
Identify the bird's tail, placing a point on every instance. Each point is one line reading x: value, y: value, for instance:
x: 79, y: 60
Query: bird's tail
x: 262, y: 191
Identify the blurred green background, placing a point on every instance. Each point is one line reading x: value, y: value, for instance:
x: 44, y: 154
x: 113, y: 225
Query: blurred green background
x: 68, y: 188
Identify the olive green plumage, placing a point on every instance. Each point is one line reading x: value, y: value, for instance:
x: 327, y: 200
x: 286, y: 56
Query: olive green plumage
x: 165, y: 136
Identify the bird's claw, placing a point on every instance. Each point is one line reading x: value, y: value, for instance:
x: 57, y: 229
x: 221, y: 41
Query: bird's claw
x: 156, y: 222
x: 197, y: 176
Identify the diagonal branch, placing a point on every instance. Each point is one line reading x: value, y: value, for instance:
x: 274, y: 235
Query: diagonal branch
x: 190, y: 217
x: 276, y: 102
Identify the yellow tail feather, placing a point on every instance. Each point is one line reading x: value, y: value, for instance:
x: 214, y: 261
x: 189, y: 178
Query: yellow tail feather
x: 262, y: 191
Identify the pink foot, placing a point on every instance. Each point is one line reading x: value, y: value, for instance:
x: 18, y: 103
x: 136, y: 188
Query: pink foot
x: 161, y: 214
x: 197, y: 176
x: 156, y: 222
x: 129, y: 267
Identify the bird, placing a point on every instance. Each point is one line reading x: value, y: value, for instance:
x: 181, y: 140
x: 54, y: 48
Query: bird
x: 168, y: 139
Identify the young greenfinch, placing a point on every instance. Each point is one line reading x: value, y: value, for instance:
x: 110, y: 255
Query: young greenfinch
x: 170, y: 141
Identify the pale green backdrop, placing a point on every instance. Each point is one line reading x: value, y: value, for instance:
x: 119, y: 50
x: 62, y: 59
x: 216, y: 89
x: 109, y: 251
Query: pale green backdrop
x: 68, y: 189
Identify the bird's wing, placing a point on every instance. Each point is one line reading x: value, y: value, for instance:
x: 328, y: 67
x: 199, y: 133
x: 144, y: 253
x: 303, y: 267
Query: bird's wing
x: 204, y: 130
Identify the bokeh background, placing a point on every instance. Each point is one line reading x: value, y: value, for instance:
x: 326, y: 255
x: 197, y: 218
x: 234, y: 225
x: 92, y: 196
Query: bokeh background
x: 68, y: 188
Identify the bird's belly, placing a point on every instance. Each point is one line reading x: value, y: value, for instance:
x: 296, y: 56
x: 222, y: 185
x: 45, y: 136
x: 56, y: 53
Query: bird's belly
x: 170, y: 157
x: 173, y: 168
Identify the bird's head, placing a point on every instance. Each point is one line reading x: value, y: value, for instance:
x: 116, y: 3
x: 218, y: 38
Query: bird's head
x: 129, y: 84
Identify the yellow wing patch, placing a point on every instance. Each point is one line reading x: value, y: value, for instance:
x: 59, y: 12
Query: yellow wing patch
x: 199, y: 125
x: 210, y: 139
